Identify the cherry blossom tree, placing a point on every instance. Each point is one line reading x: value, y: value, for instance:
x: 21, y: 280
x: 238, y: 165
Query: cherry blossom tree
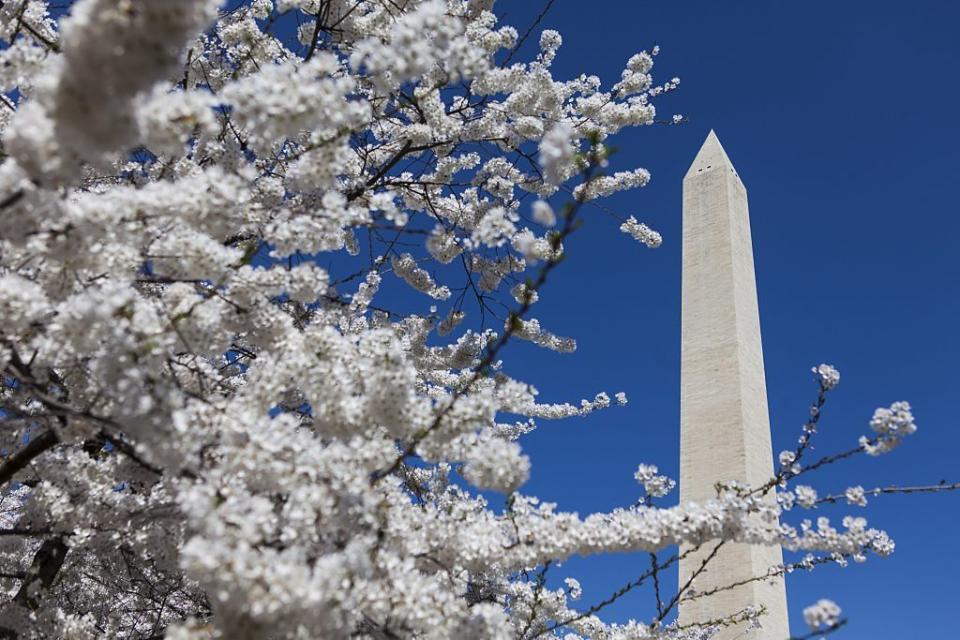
x: 207, y: 434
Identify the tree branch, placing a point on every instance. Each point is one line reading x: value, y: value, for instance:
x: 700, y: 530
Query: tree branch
x: 23, y: 457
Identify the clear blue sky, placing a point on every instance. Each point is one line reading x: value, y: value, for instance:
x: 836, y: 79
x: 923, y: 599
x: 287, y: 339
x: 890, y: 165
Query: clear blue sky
x: 841, y: 118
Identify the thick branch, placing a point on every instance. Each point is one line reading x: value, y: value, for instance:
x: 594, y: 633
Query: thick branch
x: 23, y: 457
x: 43, y: 571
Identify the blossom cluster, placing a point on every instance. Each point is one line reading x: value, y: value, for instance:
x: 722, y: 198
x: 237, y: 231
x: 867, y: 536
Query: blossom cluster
x: 641, y: 233
x: 891, y: 426
x: 828, y: 376
x: 823, y: 613
x: 656, y: 486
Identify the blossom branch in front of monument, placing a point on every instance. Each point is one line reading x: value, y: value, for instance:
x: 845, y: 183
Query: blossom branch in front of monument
x: 260, y: 270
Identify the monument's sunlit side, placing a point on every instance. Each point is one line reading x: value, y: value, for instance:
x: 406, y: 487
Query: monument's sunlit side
x: 724, y: 423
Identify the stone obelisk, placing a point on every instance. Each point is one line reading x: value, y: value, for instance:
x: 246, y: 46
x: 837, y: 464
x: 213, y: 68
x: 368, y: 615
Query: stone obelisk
x: 724, y: 424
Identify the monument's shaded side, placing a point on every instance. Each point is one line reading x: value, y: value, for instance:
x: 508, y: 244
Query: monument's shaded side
x: 724, y: 424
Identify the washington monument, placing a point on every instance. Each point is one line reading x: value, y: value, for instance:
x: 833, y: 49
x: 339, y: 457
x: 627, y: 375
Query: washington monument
x: 724, y: 424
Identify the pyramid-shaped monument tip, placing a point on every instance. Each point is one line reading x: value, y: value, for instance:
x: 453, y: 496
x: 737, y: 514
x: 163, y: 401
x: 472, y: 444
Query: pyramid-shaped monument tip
x: 710, y: 156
